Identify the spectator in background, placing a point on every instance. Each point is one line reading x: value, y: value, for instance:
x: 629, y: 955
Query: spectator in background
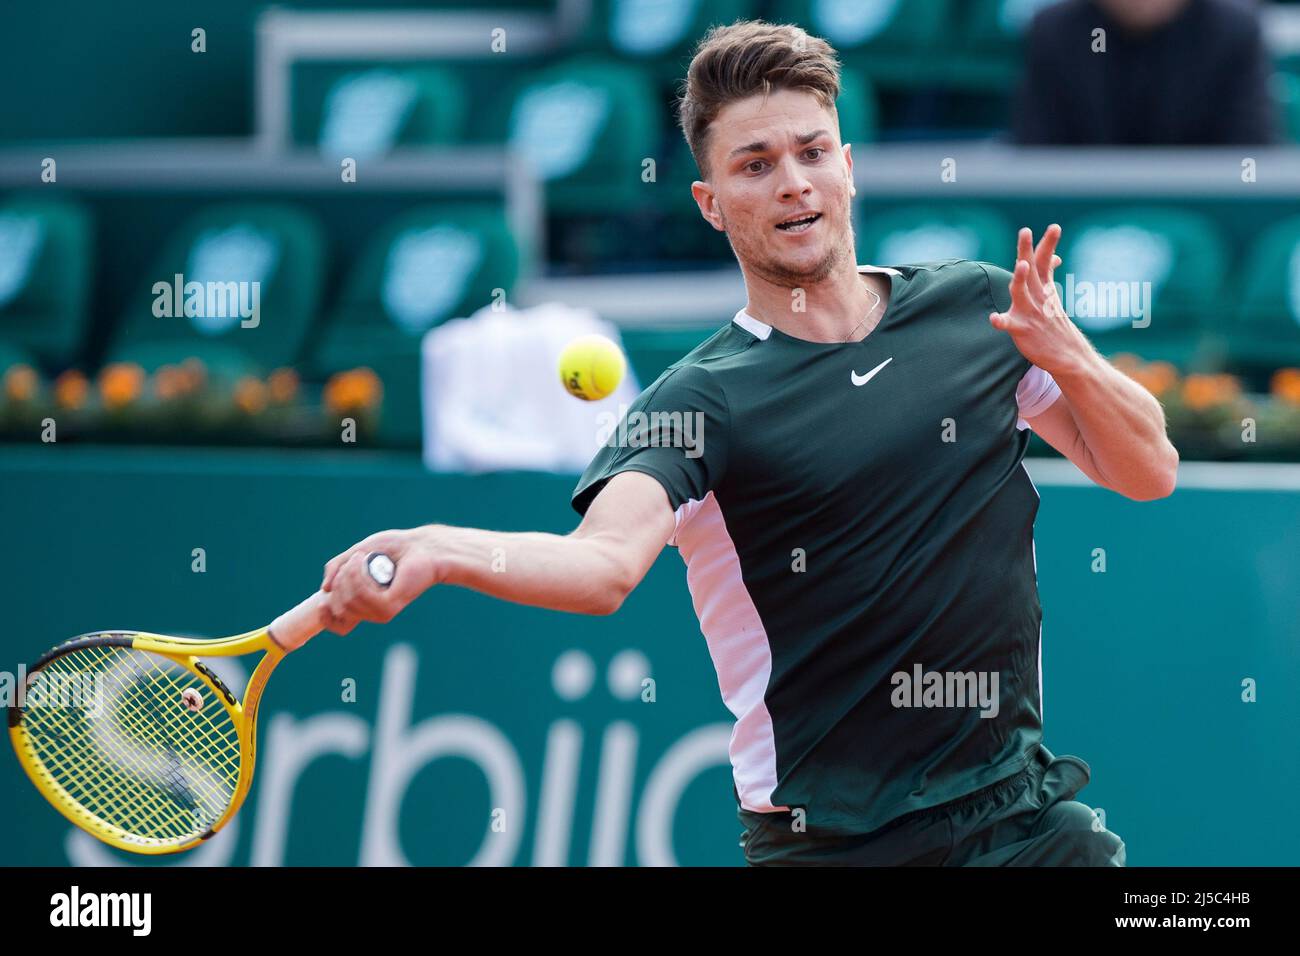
x: 1174, y: 73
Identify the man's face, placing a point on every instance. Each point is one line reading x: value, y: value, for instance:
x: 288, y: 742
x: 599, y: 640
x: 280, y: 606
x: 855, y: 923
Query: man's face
x: 774, y: 160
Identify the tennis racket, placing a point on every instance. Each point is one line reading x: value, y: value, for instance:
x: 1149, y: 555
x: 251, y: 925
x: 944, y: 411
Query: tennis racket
x: 156, y: 753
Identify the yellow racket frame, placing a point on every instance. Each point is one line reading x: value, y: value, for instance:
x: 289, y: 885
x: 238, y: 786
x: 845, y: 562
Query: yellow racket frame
x: 188, y: 653
x: 291, y: 630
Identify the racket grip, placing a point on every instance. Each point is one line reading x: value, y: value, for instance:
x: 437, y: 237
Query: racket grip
x: 296, y: 626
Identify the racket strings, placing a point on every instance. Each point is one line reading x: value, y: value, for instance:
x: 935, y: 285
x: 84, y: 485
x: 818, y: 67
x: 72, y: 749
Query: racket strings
x: 125, y: 775
x: 150, y: 707
x: 117, y: 779
x: 138, y: 757
x: 149, y: 718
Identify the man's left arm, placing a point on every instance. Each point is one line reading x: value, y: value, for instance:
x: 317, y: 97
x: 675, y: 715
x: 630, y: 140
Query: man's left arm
x: 1109, y: 426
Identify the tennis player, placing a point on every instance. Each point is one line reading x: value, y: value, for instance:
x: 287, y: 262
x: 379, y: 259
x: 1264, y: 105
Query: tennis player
x: 840, y: 469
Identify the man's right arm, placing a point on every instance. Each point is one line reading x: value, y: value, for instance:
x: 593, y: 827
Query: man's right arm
x: 588, y: 571
x: 627, y: 497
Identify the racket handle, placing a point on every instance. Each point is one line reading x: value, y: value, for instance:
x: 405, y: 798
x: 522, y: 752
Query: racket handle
x: 295, y: 627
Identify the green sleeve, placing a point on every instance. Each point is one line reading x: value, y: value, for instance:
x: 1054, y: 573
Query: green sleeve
x: 999, y: 286
x: 676, y: 431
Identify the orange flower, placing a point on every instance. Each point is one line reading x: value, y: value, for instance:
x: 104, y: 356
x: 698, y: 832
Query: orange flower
x: 370, y: 390
x: 1156, y: 377
x: 1201, y: 392
x: 355, y: 390
x: 120, y: 384
x: 1285, y: 385
x: 333, y: 388
x: 340, y: 392
x: 170, y: 382
x: 196, y: 374
x: 1229, y: 386
x: 71, y: 389
x: 1126, y: 362
x: 250, y: 395
x: 284, y: 385
x: 21, y: 382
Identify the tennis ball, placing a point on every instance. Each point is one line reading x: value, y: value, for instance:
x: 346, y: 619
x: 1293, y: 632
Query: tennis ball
x: 591, y: 366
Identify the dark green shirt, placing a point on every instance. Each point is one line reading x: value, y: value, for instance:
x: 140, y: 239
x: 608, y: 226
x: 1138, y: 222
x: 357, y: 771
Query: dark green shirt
x: 854, y: 516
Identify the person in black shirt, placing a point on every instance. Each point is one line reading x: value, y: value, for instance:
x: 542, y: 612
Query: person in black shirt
x: 1173, y: 73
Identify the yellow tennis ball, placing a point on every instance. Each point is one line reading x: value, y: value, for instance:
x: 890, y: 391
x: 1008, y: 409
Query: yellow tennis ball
x: 591, y: 367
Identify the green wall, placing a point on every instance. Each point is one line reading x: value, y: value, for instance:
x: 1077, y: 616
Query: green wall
x: 1142, y: 665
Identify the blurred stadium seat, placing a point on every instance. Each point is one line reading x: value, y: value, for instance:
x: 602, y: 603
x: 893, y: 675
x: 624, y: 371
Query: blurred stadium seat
x: 993, y: 34
x: 371, y: 112
x: 896, y: 43
x: 46, y: 258
x: 925, y: 233
x: 1177, y: 251
x: 226, y: 249
x: 656, y: 34
x: 585, y: 126
x: 1266, y: 333
x: 1287, y: 87
x: 429, y: 265
x: 857, y: 107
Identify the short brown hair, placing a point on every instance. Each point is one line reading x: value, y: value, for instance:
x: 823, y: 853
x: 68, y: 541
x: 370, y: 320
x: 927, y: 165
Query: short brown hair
x: 746, y: 58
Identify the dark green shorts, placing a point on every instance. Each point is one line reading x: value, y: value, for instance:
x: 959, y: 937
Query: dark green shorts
x: 1029, y: 819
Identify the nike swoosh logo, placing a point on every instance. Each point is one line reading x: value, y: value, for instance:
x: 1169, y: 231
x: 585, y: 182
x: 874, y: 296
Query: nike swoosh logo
x: 864, y: 379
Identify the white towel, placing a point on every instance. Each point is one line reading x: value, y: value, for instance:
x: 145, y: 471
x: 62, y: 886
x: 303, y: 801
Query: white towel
x: 492, y: 397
